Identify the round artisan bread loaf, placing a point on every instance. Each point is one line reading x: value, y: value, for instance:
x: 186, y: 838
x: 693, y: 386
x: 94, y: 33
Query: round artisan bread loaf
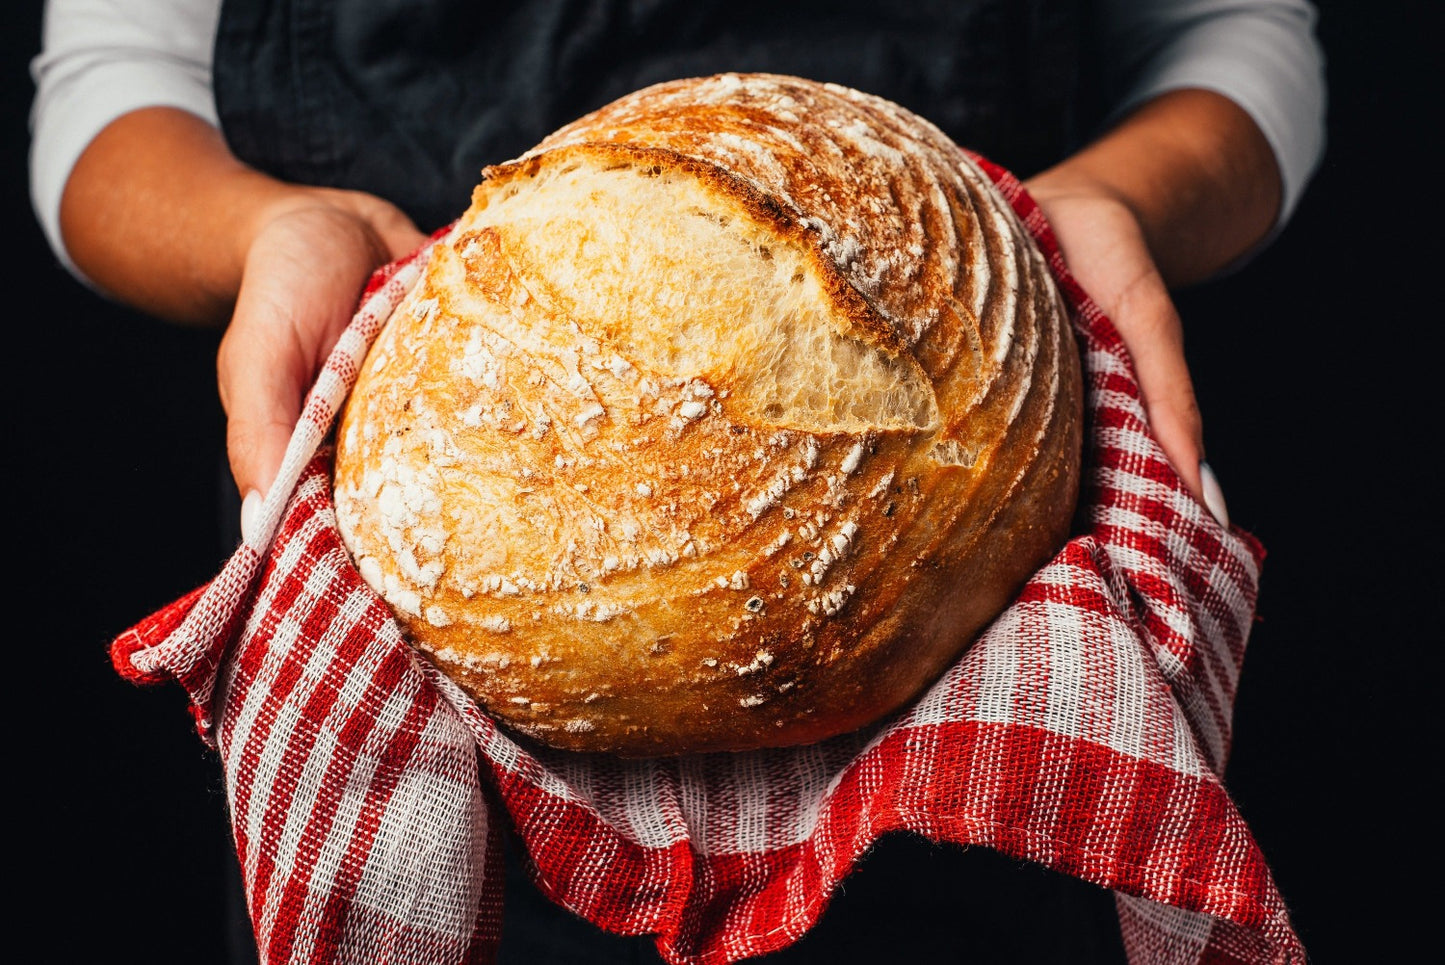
x: 725, y: 418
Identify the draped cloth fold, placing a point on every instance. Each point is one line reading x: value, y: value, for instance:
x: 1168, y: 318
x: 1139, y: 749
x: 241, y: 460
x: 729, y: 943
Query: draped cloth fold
x: 1085, y: 730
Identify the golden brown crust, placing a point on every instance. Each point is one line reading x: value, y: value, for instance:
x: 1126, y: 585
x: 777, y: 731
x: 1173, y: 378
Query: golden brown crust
x: 603, y: 494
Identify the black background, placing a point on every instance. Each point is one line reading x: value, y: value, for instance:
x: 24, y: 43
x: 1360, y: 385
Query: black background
x: 1317, y: 369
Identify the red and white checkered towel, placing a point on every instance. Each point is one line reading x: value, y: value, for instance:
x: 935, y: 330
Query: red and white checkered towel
x: 1085, y: 730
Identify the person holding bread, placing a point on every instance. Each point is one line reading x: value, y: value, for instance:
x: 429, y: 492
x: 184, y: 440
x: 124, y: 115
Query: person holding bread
x: 250, y: 164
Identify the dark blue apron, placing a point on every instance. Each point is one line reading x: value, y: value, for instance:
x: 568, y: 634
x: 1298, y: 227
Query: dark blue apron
x: 409, y: 99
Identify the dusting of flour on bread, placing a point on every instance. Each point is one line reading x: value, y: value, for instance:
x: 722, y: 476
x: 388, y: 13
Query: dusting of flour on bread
x: 722, y: 418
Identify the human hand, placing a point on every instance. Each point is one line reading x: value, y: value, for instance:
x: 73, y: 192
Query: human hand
x: 1179, y: 188
x: 1105, y: 248
x: 304, y: 268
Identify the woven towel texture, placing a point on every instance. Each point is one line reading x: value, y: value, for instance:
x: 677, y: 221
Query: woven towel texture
x: 1085, y: 730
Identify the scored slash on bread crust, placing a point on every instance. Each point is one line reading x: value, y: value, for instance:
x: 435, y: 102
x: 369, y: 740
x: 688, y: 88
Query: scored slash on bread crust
x: 582, y: 265
x: 724, y: 418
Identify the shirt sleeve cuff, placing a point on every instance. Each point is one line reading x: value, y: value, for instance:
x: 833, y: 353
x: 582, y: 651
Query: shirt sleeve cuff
x: 1273, y: 70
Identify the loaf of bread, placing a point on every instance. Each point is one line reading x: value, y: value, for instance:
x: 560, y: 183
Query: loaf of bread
x: 724, y: 418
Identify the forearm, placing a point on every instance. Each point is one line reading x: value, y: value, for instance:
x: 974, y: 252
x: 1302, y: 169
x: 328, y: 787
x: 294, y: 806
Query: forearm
x: 1195, y: 171
x: 160, y: 214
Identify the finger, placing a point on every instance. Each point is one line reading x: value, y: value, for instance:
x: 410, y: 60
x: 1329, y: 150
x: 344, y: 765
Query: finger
x: 1213, y: 495
x: 1150, y: 326
x: 261, y: 390
x: 400, y: 237
x: 396, y: 233
x: 256, y: 449
x: 297, y: 294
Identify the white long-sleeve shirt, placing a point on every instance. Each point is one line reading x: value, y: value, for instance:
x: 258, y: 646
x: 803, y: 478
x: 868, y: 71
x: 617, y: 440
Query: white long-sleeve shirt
x: 101, y: 59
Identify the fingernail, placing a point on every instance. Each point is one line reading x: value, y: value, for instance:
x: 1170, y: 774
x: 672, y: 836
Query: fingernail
x: 250, y: 514
x: 1213, y: 495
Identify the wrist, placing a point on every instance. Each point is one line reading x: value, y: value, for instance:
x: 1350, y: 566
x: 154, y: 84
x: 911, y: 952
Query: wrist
x: 159, y: 213
x: 247, y: 201
x: 370, y: 220
x: 1195, y: 172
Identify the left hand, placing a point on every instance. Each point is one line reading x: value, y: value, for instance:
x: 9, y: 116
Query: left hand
x: 1182, y: 186
x: 1105, y: 249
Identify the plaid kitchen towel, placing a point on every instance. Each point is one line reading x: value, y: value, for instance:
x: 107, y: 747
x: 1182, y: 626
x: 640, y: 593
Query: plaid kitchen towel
x: 1085, y: 730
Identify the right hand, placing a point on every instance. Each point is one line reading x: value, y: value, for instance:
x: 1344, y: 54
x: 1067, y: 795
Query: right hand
x: 305, y: 267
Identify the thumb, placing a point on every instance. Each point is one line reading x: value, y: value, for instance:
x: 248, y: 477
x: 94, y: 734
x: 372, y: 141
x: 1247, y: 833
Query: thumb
x: 262, y: 397
x: 303, y: 273
x: 1150, y: 326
